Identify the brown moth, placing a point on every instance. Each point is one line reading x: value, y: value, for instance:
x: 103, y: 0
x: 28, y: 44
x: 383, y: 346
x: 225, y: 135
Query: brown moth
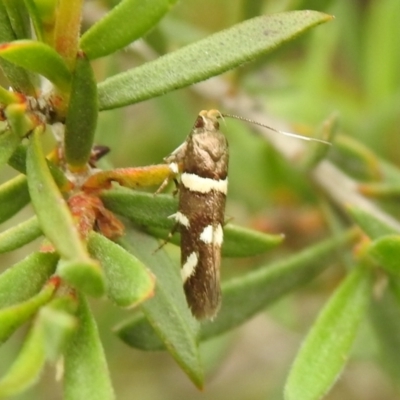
x: 203, y: 160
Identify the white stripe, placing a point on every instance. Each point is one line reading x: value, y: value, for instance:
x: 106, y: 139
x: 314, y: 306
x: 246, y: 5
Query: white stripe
x: 196, y: 183
x: 189, y: 267
x: 174, y: 167
x: 218, y: 235
x: 180, y: 219
x: 212, y: 235
x: 207, y: 235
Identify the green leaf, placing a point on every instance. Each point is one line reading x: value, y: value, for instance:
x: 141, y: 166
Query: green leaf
x: 58, y: 225
x: 385, y: 318
x: 36, y: 18
x: 115, y: 30
x: 244, y: 296
x: 167, y: 312
x: 18, y: 162
x: 85, y: 275
x: 86, y: 375
x: 26, y: 278
x: 66, y: 24
x: 58, y: 323
x: 47, y: 10
x: 373, y: 226
x: 326, y: 348
x: 14, y: 316
x: 14, y: 196
x: 18, y: 120
x: 380, y: 40
x: 144, y: 209
x: 128, y: 281
x: 40, y: 58
x: 19, y: 235
x: 153, y: 212
x: 81, y: 120
x: 51, y: 209
x: 206, y: 58
x: 18, y: 17
x: 386, y: 251
x: 137, y: 332
x: 9, y: 141
x: 26, y: 369
x: 6, y: 31
x: 244, y: 242
x: 20, y: 80
x: 47, y: 338
x: 8, y: 97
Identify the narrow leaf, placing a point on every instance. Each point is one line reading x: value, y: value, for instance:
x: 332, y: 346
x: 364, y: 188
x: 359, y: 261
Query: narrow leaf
x: 19, y: 235
x: 12, y: 317
x: 20, y: 80
x: 86, y: 375
x: 137, y: 332
x: 26, y: 369
x: 46, y: 339
x: 58, y: 225
x: 243, y: 297
x: 45, y: 11
x: 153, y: 212
x: 206, y: 58
x: 81, y: 120
x: 14, y: 196
x: 115, y: 31
x: 128, y: 281
x: 167, y: 311
x: 35, y: 17
x: 18, y: 17
x: 153, y: 175
x: 386, y: 251
x: 25, y: 279
x: 85, y: 275
x: 326, y: 348
x: 9, y: 141
x: 244, y: 242
x: 67, y: 28
x: 18, y: 159
x: 142, y: 208
x: 38, y: 57
x: 52, y: 211
x: 385, y: 318
x: 18, y: 162
x: 373, y: 226
x: 58, y: 323
x: 18, y: 120
x: 8, y: 97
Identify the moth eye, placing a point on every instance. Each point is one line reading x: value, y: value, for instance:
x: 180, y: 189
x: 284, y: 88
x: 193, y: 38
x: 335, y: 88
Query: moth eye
x: 200, y: 123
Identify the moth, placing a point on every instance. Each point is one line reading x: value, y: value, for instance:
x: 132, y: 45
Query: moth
x: 202, y: 161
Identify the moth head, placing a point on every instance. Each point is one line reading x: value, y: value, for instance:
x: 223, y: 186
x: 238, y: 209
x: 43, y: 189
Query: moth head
x: 208, y: 120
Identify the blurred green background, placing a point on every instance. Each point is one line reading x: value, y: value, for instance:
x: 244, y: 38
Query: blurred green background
x: 350, y: 65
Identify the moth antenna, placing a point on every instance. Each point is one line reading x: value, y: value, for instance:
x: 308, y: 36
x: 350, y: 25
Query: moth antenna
x: 276, y: 130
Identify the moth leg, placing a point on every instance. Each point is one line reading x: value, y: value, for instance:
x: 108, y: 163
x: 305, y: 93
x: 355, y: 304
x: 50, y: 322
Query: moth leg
x: 162, y: 186
x: 228, y: 220
x: 175, y: 168
x: 168, y: 239
x: 176, y: 190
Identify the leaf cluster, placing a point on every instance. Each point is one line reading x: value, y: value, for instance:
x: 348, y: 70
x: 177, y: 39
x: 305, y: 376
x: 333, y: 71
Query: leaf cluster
x: 99, y: 232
